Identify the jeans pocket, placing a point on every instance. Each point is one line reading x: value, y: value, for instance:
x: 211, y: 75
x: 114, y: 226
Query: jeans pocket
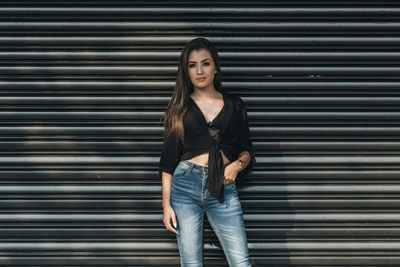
x: 230, y: 189
x: 230, y: 185
x: 180, y: 170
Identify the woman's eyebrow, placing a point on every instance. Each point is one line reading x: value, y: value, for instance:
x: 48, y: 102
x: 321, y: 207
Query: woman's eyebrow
x: 200, y: 61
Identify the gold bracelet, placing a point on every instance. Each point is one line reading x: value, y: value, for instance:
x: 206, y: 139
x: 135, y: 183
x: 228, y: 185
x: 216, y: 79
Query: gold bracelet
x: 241, y: 164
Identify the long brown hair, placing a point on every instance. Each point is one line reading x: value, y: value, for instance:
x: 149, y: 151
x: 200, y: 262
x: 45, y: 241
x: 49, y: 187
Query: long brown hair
x: 177, y: 105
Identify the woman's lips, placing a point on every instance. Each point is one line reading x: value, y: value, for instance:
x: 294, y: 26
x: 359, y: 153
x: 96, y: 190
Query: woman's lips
x: 201, y: 79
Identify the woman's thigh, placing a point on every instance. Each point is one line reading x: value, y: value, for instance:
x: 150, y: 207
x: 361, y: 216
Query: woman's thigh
x: 190, y: 227
x: 185, y: 192
x: 186, y: 184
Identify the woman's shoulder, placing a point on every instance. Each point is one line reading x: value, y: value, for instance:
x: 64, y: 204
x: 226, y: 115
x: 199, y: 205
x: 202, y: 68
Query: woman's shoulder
x: 236, y: 100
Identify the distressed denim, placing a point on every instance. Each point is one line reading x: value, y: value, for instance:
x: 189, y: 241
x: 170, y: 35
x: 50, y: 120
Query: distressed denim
x: 190, y: 199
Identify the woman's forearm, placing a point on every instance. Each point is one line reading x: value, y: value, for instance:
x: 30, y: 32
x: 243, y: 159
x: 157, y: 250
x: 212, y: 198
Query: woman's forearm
x: 166, y: 189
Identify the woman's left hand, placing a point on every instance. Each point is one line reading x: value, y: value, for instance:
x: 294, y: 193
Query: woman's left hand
x: 230, y: 173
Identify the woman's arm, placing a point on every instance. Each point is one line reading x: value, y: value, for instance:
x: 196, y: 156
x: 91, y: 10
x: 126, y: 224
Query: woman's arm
x: 166, y: 189
x: 246, y: 150
x: 170, y: 157
x: 169, y: 219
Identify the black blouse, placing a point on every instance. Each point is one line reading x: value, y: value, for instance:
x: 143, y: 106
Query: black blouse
x: 229, y: 131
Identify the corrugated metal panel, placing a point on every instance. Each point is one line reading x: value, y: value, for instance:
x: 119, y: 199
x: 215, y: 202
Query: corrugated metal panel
x: 84, y: 84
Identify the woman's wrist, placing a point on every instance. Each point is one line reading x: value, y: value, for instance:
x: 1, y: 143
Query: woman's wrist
x: 240, y: 165
x: 166, y: 204
x: 243, y: 160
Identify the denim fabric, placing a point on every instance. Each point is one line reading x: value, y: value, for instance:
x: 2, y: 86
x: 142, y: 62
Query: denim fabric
x: 190, y: 199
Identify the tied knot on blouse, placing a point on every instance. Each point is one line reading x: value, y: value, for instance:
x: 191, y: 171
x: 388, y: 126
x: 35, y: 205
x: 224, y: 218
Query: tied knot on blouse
x: 215, y: 163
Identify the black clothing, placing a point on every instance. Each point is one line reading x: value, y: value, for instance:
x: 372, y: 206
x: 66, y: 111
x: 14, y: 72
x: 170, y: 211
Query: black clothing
x: 229, y: 131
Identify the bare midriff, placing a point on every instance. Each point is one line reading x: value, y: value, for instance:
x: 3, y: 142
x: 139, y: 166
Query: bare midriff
x: 202, y: 159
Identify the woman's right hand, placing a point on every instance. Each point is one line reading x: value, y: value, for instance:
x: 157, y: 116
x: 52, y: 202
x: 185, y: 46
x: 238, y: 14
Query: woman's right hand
x: 169, y: 214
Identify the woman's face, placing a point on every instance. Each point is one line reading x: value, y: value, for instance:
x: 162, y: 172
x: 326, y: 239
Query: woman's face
x: 201, y: 65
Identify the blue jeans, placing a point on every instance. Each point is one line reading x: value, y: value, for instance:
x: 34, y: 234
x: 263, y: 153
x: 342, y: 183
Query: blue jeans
x: 189, y: 199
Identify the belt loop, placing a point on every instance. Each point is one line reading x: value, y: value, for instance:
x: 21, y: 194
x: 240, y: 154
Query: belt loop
x: 191, y: 167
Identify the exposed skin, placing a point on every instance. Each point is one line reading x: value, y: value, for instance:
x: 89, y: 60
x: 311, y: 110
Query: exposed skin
x: 210, y: 102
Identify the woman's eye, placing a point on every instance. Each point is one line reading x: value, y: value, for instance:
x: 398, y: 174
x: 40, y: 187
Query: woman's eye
x: 204, y: 64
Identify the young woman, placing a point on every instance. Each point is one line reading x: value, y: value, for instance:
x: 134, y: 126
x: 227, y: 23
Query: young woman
x: 206, y: 145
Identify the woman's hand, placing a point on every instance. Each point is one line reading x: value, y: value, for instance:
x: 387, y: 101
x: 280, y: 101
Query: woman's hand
x: 231, y: 172
x: 169, y: 214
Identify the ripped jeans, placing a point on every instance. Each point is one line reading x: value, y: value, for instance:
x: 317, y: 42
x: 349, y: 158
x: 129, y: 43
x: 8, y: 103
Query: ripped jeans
x: 189, y: 199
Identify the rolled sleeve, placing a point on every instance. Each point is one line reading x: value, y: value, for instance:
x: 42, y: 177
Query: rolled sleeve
x: 170, y: 155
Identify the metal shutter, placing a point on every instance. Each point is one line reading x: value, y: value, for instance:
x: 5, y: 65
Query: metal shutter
x: 84, y: 84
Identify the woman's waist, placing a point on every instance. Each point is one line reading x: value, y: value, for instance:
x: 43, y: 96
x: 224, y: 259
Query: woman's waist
x: 201, y: 158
